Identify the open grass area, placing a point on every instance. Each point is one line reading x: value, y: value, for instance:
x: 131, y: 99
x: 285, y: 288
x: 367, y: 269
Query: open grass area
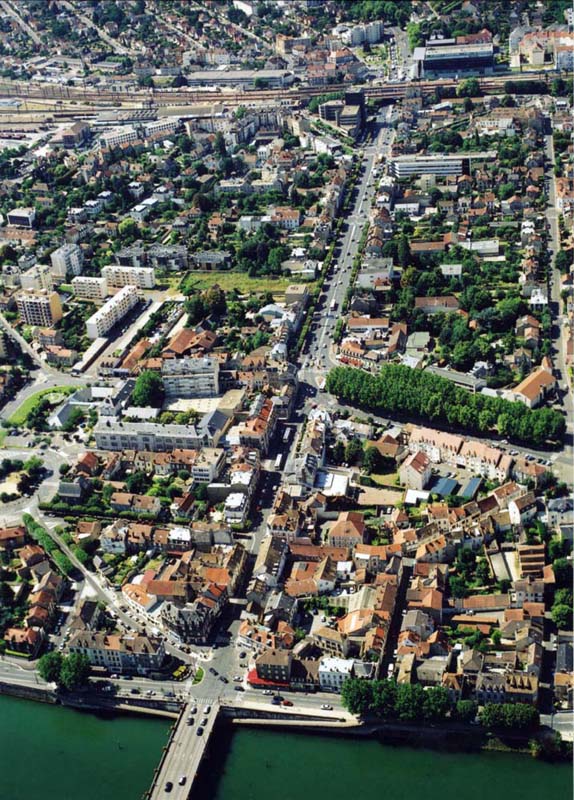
x: 198, y: 677
x: 243, y: 282
x: 58, y: 393
x: 388, y: 479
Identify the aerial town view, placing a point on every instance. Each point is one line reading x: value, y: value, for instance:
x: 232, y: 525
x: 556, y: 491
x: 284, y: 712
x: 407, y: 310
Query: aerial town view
x: 286, y: 399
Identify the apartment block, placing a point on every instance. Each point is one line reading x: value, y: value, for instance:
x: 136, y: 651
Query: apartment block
x: 39, y: 307
x: 119, y: 276
x: 67, y: 260
x: 191, y: 377
x: 112, y: 312
x: 38, y: 277
x: 88, y: 288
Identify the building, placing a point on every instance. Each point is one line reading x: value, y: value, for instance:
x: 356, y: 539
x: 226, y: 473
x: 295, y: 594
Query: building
x: 451, y: 56
x: 88, y: 288
x: 112, y: 435
x: 191, y: 377
x: 333, y: 672
x: 22, y: 217
x: 118, y: 276
x: 438, y: 164
x: 415, y: 472
x: 38, y: 277
x: 134, y: 653
x: 274, y: 666
x: 112, y: 312
x: 41, y: 307
x: 67, y: 260
x: 266, y: 78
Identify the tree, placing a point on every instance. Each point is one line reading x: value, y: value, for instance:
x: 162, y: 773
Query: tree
x: 371, y: 460
x: 436, y: 704
x: 469, y: 88
x: 6, y: 595
x: 404, y: 252
x: 509, y: 716
x: 356, y: 696
x: 458, y: 586
x: 353, y: 451
x: 128, y: 228
x: 75, y: 671
x: 562, y: 616
x: 338, y: 453
x: 138, y: 482
x: 149, y: 390
x: 50, y: 667
x: 562, y: 573
x: 465, y: 710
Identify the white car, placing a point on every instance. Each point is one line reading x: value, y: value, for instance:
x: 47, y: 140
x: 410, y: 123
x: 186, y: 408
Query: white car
x: 267, y: 692
x: 326, y: 707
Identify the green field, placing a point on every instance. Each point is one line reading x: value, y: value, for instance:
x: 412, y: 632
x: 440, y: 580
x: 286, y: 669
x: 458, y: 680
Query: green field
x: 242, y: 282
x: 58, y: 392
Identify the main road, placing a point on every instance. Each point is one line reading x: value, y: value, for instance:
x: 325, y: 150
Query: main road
x: 317, y: 355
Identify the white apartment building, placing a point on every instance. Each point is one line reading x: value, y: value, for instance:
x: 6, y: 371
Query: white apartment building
x: 333, y: 672
x: 88, y: 288
x: 112, y: 312
x: 117, y: 276
x: 118, y: 136
x: 191, y: 377
x: 67, y: 260
x: 39, y: 307
x: 38, y: 277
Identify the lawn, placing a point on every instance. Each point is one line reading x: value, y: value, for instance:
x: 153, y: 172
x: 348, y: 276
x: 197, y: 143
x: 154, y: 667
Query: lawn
x: 387, y: 479
x: 198, y: 677
x: 242, y: 282
x: 58, y: 392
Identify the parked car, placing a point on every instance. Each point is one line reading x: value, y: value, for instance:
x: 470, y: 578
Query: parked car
x: 326, y: 707
x: 168, y: 786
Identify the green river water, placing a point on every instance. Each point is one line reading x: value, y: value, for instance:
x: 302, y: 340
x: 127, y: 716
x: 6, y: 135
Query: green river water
x: 51, y: 753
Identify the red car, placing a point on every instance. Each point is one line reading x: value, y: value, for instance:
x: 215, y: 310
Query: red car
x: 287, y: 703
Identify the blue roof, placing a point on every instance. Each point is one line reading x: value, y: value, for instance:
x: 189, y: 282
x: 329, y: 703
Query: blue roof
x: 471, y: 488
x: 444, y: 486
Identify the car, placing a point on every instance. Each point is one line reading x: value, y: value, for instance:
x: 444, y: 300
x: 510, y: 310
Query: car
x: 277, y: 700
x: 223, y: 679
x: 135, y: 691
x: 190, y: 720
x: 193, y: 710
x: 237, y: 678
x: 213, y: 671
x: 207, y: 709
x: 267, y: 692
x: 182, y: 780
x: 239, y: 688
x: 287, y: 703
x: 203, y: 722
x: 326, y: 707
x: 168, y: 786
x: 243, y: 654
x: 199, y: 732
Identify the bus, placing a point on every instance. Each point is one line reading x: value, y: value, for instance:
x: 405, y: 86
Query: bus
x: 286, y: 435
x: 333, y: 306
x: 278, y: 461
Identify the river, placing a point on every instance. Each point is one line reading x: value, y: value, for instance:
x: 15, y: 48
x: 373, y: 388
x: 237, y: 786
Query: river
x: 53, y: 753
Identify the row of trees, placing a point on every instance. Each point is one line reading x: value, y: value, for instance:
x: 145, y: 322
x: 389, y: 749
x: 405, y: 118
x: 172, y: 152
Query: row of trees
x: 413, y: 703
x: 399, y: 390
x: 40, y: 535
x: 68, y: 672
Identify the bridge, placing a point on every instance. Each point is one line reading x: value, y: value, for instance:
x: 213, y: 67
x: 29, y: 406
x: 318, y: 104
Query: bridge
x: 184, y: 753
